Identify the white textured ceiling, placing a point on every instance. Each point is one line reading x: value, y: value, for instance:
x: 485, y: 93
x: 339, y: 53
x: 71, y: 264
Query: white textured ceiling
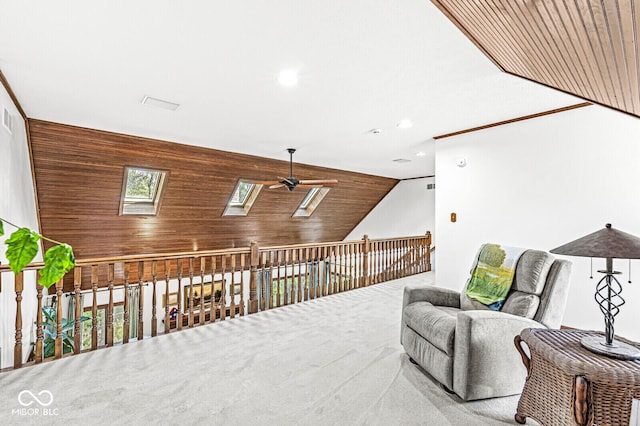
x: 362, y: 64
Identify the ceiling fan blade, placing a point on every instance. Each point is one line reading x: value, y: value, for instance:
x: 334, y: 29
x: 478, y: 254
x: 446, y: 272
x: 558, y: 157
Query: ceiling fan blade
x: 263, y: 182
x: 277, y: 185
x: 319, y: 182
x: 309, y: 186
x: 282, y: 180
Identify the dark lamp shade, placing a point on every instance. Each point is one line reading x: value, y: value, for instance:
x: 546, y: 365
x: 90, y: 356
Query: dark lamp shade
x: 607, y: 242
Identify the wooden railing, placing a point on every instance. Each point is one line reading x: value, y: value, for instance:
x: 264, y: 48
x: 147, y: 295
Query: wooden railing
x: 133, y: 297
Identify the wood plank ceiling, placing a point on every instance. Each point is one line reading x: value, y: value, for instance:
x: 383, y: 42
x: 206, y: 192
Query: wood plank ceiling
x: 79, y: 176
x: 588, y: 48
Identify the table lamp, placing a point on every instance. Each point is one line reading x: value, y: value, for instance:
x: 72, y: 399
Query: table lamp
x: 611, y: 244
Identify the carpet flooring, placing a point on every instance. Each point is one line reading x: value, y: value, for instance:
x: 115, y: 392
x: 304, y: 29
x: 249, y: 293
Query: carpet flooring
x: 330, y: 361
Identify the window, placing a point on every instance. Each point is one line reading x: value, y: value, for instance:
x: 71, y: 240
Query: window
x: 311, y: 201
x: 118, y: 325
x: 141, y: 191
x: 242, y: 198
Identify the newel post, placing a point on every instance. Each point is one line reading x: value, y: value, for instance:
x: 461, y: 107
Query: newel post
x: 253, y: 280
x: 366, y: 248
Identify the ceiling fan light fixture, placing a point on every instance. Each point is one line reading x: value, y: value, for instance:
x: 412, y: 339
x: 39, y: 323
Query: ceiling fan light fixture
x: 292, y: 183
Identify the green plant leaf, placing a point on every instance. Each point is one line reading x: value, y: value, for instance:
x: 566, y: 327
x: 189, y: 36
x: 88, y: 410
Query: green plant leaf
x: 22, y: 247
x: 58, y: 261
x: 50, y: 314
x: 1, y: 228
x: 49, y: 348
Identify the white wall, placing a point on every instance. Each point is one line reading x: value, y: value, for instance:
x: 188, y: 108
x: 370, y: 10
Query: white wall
x: 541, y: 183
x: 407, y: 210
x: 17, y: 204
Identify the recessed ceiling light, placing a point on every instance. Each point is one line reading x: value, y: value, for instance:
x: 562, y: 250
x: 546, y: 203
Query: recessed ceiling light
x: 159, y: 103
x: 288, y: 77
x: 401, y: 160
x: 375, y: 131
x: 405, y: 123
x: 421, y: 154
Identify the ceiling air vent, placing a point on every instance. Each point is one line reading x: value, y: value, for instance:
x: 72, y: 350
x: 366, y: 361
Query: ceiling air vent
x: 7, y: 120
x: 431, y: 186
x: 159, y: 103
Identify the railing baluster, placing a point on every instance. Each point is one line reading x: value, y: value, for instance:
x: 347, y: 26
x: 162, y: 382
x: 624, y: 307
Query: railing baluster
x: 223, y: 291
x: 39, y: 331
x: 125, y: 326
x: 269, y: 283
x: 232, y: 290
x: 333, y: 270
x: 167, y: 290
x: 288, y: 276
x: 351, y: 267
x: 18, y: 286
x: 380, y: 256
x: 190, y: 305
x: 154, y: 280
x: 203, y: 313
x: 77, y: 282
x: 58, y: 342
x: 179, y: 314
x: 242, y: 266
x: 313, y: 273
x: 304, y: 273
x: 140, y: 335
x: 214, y: 304
x: 267, y: 279
x: 94, y: 307
x: 276, y: 279
x: 343, y: 269
x: 111, y: 277
x: 254, y: 297
x: 301, y: 280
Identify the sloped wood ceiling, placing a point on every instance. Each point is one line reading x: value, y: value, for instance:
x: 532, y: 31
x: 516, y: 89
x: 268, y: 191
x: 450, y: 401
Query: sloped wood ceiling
x: 588, y: 48
x: 79, y: 180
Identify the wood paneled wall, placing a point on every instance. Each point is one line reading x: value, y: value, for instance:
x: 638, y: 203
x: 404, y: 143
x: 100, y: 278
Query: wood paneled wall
x: 587, y: 48
x: 79, y: 173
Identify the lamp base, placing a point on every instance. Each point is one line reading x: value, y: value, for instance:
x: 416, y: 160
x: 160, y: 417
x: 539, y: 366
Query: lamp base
x: 616, y: 349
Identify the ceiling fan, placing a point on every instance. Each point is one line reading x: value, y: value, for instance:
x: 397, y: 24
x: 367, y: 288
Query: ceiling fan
x: 292, y: 183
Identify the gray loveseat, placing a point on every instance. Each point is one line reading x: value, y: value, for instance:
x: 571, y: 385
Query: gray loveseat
x: 467, y: 347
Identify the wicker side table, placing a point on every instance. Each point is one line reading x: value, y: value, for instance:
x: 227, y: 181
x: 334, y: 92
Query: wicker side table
x: 569, y: 385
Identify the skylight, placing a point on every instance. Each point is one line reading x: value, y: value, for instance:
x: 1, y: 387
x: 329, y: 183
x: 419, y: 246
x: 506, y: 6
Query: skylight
x: 242, y: 198
x: 311, y: 201
x: 141, y: 191
x: 307, y: 199
x: 241, y: 194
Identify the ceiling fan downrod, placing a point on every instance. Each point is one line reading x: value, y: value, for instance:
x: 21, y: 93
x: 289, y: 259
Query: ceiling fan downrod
x: 291, y: 151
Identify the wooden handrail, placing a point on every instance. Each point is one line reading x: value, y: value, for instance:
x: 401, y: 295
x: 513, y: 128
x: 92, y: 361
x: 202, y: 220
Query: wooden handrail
x: 176, y: 255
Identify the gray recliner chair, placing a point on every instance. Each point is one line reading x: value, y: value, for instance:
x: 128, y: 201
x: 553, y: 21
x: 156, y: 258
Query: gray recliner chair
x: 469, y: 348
